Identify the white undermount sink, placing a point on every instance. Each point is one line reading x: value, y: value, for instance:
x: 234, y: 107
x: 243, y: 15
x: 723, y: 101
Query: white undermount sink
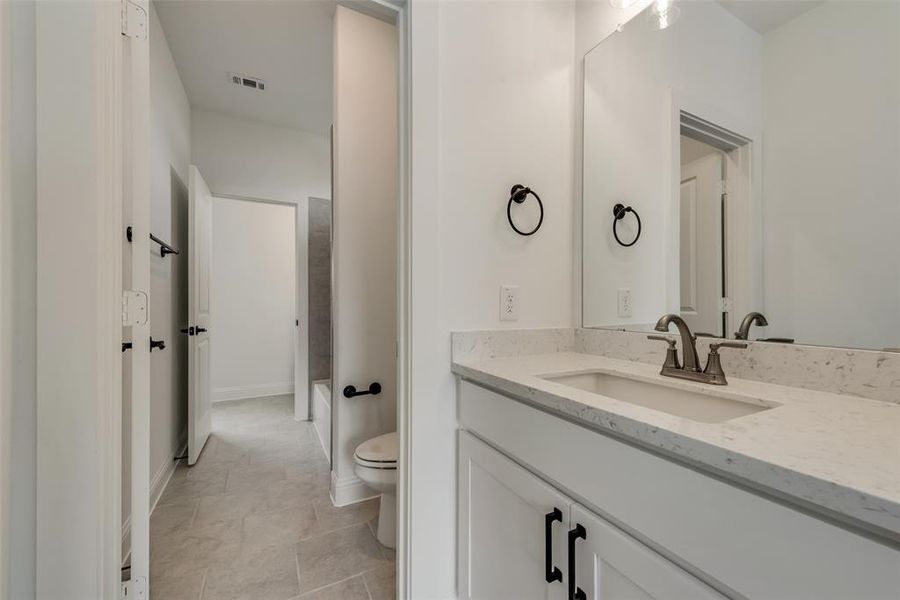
x: 673, y: 400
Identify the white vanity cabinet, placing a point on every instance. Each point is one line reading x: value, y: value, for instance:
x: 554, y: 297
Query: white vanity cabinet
x: 653, y: 527
x: 612, y: 565
x: 504, y: 526
x: 517, y: 532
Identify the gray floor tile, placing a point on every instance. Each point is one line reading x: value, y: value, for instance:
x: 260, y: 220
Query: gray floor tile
x: 229, y: 507
x: 382, y: 582
x: 232, y: 522
x: 173, y: 517
x: 180, y: 490
x: 335, y: 556
x: 253, y: 477
x: 253, y: 575
x: 293, y: 493
x: 349, y: 589
x: 332, y: 517
x: 180, y: 552
x: 185, y: 587
x: 274, y: 529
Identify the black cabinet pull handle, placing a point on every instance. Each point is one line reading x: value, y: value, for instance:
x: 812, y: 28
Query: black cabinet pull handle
x: 188, y: 330
x: 575, y: 593
x: 350, y: 390
x: 161, y: 344
x: 200, y: 330
x: 126, y: 346
x: 551, y: 573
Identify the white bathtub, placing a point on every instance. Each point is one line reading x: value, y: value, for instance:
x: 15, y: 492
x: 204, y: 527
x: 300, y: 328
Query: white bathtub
x: 321, y: 407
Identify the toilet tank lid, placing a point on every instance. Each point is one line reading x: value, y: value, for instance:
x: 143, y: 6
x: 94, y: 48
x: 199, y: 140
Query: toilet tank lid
x: 383, y: 448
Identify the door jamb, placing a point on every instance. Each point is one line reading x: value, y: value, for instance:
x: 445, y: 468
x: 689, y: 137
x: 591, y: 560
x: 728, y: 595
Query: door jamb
x: 5, y: 399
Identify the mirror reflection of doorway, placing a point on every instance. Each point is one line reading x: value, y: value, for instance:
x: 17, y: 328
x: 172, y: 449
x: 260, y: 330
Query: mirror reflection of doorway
x: 713, y: 209
x: 701, y: 237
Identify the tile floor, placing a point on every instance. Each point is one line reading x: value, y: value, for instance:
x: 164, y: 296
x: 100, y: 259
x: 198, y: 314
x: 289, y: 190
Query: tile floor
x: 252, y: 520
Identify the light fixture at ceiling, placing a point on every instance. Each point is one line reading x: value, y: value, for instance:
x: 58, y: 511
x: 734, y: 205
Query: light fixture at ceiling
x: 663, y: 14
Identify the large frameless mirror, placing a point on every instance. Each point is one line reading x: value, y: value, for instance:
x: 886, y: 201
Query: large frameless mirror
x: 743, y: 157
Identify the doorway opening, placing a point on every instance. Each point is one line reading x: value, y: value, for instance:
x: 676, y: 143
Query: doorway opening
x: 713, y: 210
x: 292, y: 299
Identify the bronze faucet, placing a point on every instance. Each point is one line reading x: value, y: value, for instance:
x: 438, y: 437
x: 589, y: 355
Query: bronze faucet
x: 712, y: 374
x: 691, y: 360
x: 744, y: 332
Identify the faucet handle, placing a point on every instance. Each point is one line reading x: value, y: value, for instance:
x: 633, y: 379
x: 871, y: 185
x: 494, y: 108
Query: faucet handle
x: 672, y: 361
x: 714, y: 348
x: 713, y: 369
x: 663, y: 338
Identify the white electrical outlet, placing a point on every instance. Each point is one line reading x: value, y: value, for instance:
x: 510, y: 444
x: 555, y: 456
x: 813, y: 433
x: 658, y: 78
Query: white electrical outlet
x: 509, y: 303
x: 624, y: 302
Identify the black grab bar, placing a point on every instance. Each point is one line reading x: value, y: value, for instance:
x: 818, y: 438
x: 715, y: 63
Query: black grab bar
x: 350, y: 390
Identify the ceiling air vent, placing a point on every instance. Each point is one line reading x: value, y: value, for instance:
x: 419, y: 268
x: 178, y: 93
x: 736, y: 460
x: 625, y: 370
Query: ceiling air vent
x: 247, y: 82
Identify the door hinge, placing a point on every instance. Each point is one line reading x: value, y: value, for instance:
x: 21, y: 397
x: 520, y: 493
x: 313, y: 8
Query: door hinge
x: 134, y: 20
x: 726, y: 305
x: 134, y: 308
x: 134, y: 589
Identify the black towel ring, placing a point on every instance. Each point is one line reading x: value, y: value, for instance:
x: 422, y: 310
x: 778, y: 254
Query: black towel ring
x: 619, y: 211
x: 518, y: 194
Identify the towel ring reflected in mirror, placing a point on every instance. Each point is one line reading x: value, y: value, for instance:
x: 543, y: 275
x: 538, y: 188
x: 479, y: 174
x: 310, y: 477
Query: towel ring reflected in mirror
x: 619, y: 212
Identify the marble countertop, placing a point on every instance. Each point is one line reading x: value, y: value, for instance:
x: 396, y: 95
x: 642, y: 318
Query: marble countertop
x: 828, y: 452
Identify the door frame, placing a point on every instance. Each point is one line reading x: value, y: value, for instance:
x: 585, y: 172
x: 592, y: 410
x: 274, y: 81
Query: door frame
x: 5, y: 398
x: 742, y: 245
x: 80, y: 163
x: 302, y: 398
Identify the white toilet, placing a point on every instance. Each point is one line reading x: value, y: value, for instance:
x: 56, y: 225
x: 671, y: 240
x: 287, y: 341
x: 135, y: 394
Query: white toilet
x: 376, y: 465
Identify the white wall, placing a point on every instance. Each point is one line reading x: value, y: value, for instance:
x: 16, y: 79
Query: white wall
x: 628, y: 145
x: 365, y: 238
x: 831, y: 178
x: 170, y: 150
x: 239, y: 157
x: 79, y: 228
x: 18, y: 284
x: 252, y: 299
x: 492, y: 106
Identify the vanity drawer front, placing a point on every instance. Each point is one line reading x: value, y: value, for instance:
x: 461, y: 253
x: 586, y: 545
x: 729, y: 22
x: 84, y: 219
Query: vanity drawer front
x: 741, y: 542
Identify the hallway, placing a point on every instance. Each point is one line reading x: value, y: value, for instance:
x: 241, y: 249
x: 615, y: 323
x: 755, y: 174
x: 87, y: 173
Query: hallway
x: 253, y: 520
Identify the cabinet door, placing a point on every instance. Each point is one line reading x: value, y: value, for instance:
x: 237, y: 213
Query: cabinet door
x: 503, y: 528
x: 611, y: 565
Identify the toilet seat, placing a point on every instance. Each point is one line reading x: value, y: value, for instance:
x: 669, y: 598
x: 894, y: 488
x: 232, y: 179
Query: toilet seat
x: 378, y: 453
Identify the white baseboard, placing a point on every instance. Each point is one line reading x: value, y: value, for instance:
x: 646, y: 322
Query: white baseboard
x: 157, y: 486
x: 349, y: 490
x: 162, y: 477
x: 243, y: 392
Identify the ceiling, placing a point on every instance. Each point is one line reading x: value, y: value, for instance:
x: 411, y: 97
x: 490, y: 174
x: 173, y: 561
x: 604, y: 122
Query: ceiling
x: 765, y: 15
x: 287, y: 44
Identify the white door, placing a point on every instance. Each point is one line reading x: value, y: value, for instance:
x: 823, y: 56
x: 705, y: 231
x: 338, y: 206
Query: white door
x: 506, y: 517
x: 701, y: 244
x: 611, y: 565
x: 199, y: 247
